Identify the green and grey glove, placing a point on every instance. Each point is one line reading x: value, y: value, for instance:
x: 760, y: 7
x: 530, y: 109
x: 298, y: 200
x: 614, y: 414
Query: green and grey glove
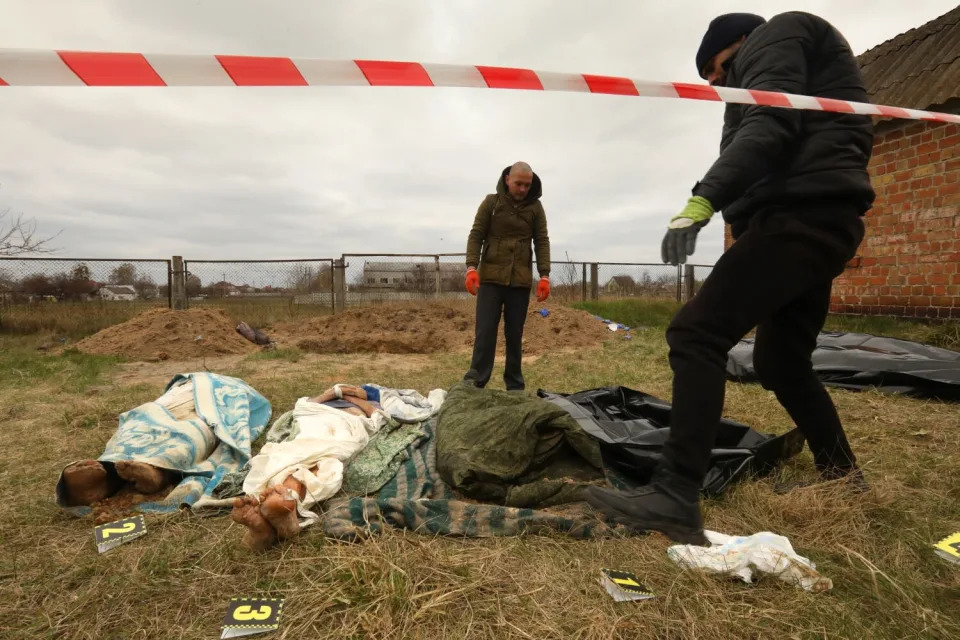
x: 681, y: 238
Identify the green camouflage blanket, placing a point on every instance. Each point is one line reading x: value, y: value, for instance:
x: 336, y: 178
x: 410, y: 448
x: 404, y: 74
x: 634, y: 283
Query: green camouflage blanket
x: 419, y: 500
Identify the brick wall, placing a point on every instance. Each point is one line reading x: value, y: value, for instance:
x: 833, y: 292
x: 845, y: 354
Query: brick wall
x: 909, y: 261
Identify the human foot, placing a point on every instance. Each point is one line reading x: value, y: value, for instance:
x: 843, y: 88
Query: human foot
x: 146, y: 478
x: 86, y: 482
x: 259, y: 536
x: 280, y: 511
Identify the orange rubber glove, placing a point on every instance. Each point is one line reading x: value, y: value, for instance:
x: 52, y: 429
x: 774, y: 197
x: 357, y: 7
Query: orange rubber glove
x: 543, y: 289
x: 473, y: 281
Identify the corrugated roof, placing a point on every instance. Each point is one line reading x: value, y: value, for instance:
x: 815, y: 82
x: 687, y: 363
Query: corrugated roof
x: 919, y: 69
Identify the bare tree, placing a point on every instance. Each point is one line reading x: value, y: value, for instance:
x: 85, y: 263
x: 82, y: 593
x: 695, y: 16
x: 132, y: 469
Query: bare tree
x: 126, y: 273
x: 193, y: 285
x: 146, y: 288
x: 18, y: 236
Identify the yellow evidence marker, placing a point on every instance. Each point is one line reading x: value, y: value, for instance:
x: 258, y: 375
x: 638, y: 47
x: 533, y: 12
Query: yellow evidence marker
x: 248, y: 616
x: 113, y: 534
x: 624, y: 586
x: 949, y: 548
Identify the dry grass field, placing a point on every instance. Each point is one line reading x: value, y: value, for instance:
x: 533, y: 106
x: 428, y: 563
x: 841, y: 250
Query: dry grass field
x: 176, y: 581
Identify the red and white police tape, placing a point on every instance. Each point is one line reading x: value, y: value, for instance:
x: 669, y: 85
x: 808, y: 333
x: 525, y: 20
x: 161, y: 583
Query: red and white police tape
x: 27, y: 67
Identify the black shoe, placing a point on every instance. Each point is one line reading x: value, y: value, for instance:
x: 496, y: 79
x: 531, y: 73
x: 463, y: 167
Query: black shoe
x: 669, y: 504
x: 849, y: 478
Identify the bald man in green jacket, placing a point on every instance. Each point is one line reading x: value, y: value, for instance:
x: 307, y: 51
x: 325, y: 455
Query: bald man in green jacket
x: 500, y: 269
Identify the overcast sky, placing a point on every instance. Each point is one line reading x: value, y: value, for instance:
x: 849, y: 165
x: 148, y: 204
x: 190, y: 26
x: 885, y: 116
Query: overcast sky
x: 319, y: 171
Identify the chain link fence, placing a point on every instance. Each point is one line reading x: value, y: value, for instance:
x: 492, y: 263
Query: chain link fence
x: 628, y: 280
x: 82, y: 294
x: 373, y: 278
x: 85, y: 295
x: 698, y: 273
x: 261, y: 292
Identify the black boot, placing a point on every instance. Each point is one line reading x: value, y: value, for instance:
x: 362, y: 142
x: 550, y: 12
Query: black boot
x: 670, y: 504
x: 849, y: 478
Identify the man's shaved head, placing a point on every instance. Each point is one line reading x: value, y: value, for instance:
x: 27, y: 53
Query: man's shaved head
x: 519, y: 180
x: 520, y: 167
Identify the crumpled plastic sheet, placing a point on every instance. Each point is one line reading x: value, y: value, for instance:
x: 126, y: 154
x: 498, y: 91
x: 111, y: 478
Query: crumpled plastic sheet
x: 743, y: 556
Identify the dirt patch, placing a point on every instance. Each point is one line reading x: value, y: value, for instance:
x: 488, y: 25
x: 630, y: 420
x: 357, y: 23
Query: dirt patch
x: 123, y: 504
x: 437, y: 327
x: 164, y: 334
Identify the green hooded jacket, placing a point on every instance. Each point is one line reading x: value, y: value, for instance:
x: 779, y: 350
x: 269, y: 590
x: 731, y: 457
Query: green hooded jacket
x: 499, y: 242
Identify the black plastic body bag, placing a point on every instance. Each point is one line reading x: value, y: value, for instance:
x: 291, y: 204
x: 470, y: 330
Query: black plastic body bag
x: 632, y: 428
x: 859, y: 361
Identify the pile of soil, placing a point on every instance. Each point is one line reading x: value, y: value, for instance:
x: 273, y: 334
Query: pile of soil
x: 436, y: 327
x: 164, y: 334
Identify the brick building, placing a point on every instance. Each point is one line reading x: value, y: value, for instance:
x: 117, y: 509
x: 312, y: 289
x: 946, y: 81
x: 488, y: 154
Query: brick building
x: 909, y: 262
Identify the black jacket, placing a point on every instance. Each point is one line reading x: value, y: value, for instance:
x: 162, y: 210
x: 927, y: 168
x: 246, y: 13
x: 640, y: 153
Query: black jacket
x: 775, y: 157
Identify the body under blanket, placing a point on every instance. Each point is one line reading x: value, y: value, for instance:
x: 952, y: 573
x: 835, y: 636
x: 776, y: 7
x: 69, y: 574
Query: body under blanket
x: 200, y: 440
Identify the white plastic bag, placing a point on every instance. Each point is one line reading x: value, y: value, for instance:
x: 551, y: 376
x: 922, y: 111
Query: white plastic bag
x: 740, y: 556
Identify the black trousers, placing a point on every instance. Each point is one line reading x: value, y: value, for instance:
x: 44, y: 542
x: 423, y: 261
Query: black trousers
x: 776, y: 277
x: 512, y: 302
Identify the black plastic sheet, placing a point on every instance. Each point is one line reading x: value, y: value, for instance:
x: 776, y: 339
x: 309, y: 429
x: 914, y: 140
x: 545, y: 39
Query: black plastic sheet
x: 632, y: 428
x: 860, y: 361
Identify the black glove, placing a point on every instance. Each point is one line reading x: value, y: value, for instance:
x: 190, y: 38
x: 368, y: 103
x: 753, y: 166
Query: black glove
x: 678, y: 244
x: 681, y: 237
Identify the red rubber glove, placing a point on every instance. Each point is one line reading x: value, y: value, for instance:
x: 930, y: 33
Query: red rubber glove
x: 543, y: 289
x: 473, y: 281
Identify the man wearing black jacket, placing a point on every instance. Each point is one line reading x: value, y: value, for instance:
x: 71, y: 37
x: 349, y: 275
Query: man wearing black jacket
x: 794, y: 186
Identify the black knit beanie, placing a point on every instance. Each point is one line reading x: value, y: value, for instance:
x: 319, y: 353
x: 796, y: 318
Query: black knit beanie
x: 724, y: 31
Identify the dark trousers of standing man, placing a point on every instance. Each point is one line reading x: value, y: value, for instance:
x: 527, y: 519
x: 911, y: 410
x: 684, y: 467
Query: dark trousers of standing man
x: 512, y: 302
x: 777, y: 277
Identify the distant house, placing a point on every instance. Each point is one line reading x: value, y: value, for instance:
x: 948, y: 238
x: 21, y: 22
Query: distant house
x: 410, y: 275
x: 117, y: 293
x: 223, y: 289
x: 620, y: 285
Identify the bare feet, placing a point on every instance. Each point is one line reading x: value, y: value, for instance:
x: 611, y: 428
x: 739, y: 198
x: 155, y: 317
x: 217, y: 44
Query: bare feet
x: 280, y: 511
x: 145, y: 477
x: 86, y: 482
x: 260, y: 536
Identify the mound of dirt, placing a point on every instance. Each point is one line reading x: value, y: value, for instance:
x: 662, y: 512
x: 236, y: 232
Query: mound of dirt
x: 164, y: 334
x: 434, y: 327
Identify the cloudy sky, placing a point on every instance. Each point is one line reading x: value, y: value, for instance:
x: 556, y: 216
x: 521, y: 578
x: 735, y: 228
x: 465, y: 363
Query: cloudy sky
x: 316, y: 172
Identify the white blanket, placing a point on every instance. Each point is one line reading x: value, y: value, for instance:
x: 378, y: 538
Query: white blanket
x: 327, y: 438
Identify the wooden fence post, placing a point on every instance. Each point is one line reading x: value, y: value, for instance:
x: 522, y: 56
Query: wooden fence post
x: 178, y: 285
x: 340, y: 283
x: 583, y: 282
x: 689, y: 282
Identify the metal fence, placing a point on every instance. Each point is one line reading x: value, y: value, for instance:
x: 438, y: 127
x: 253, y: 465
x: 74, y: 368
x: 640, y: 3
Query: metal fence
x: 694, y: 276
x: 39, y: 293
x: 307, y: 282
x: 135, y: 282
x: 628, y: 280
x: 372, y: 278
